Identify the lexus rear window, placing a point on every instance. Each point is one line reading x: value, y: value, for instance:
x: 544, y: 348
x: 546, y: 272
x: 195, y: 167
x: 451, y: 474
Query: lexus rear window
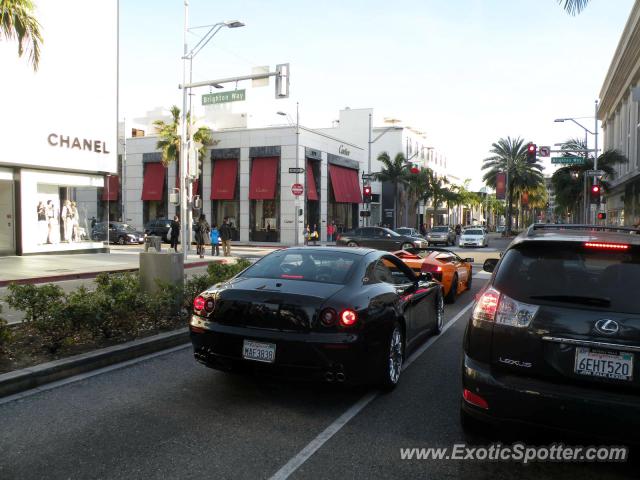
x: 325, y: 267
x: 572, y: 275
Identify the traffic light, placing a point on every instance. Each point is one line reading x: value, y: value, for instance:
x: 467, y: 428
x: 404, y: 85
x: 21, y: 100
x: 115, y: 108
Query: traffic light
x: 602, y: 216
x: 531, y: 153
x: 596, y: 190
x: 366, y: 193
x: 415, y: 170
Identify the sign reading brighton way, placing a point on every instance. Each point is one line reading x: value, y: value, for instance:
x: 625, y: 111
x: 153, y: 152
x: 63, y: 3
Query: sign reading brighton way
x: 568, y: 160
x: 223, y: 97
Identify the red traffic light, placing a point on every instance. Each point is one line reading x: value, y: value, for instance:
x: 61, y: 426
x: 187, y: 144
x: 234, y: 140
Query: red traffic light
x: 366, y: 190
x: 602, y: 216
x: 531, y: 148
x: 595, y: 189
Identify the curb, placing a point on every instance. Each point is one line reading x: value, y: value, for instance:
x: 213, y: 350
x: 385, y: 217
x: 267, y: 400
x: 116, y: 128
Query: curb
x: 38, y: 375
x: 86, y: 275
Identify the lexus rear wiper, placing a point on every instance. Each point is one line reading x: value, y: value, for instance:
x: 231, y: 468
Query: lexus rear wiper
x: 594, y: 301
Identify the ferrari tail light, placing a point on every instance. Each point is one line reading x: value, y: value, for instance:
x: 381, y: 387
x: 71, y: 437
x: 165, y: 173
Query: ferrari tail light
x: 475, y: 399
x: 348, y: 318
x: 328, y: 317
x: 199, y: 303
x: 493, y: 306
x: 434, y: 270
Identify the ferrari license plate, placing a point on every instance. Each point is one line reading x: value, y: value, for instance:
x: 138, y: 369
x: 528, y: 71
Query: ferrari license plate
x: 258, y: 351
x: 604, y: 364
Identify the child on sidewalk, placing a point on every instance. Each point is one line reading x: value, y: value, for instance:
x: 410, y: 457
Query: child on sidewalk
x: 215, y: 241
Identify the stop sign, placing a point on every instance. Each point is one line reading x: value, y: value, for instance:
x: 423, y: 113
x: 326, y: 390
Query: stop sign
x: 297, y: 189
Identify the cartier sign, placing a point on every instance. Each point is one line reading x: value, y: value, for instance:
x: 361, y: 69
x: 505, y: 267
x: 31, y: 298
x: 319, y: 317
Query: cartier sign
x: 344, y: 150
x: 65, y: 141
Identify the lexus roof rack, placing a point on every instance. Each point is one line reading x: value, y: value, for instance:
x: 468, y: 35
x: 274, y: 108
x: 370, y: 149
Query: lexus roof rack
x: 570, y: 226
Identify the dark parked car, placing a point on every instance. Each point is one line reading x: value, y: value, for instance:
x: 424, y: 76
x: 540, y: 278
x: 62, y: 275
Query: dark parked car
x: 336, y: 315
x: 554, y: 337
x: 118, y: 233
x: 158, y: 227
x: 379, y: 238
x: 441, y: 234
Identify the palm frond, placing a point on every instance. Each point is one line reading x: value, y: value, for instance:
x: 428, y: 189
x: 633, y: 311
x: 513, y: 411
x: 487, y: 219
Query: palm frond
x: 573, y: 7
x: 18, y: 22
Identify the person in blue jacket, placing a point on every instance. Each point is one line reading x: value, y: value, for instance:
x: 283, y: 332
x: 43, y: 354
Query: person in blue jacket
x: 215, y: 240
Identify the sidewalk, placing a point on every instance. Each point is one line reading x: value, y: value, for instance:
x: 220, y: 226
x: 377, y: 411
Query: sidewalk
x: 52, y: 268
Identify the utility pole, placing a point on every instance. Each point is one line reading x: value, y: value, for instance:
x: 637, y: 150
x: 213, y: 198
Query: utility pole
x: 297, y: 232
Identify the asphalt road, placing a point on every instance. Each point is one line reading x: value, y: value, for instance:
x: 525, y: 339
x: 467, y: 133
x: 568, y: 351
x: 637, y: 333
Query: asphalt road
x: 169, y: 417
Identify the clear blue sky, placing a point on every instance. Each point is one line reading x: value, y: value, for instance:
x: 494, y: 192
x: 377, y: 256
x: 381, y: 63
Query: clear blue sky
x: 466, y: 71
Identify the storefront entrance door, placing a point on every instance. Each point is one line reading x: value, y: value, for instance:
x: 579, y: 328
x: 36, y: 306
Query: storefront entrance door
x: 7, y: 220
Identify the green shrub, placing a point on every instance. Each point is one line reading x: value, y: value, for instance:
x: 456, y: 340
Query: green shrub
x: 47, y: 316
x: 5, y: 334
x: 219, y: 272
x: 118, y: 306
x: 165, y: 306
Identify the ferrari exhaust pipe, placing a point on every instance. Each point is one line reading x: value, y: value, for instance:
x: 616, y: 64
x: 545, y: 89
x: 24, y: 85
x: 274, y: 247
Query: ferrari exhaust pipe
x: 329, y: 377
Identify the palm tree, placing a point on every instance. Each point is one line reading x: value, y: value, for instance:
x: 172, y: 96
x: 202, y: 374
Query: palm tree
x: 394, y: 172
x: 419, y: 190
x: 573, y: 7
x: 510, y: 154
x: 18, y: 22
x: 568, y: 182
x: 439, y: 187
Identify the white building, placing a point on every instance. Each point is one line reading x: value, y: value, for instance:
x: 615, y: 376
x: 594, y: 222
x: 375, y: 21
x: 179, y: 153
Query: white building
x: 58, y: 127
x: 619, y: 113
x: 246, y: 178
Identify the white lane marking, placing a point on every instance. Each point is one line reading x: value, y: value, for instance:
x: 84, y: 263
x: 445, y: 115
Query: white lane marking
x: 324, y: 436
x: 93, y: 373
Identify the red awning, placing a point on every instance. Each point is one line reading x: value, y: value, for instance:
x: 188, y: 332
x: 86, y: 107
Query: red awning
x: 223, y: 179
x: 346, y: 187
x: 312, y: 193
x: 194, y: 186
x: 264, y: 178
x: 153, y: 184
x: 111, y: 187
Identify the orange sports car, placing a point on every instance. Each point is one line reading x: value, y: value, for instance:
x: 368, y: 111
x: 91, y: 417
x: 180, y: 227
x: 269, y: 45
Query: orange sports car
x: 453, y: 272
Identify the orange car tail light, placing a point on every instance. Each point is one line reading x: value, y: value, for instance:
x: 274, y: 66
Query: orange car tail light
x: 434, y: 270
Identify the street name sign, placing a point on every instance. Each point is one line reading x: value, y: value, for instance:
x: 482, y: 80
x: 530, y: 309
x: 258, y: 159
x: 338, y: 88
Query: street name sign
x: 223, y: 97
x: 297, y: 189
x: 596, y: 173
x: 568, y: 160
x: 296, y: 170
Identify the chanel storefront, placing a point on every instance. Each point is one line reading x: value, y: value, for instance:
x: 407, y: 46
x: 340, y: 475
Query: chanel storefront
x: 62, y: 124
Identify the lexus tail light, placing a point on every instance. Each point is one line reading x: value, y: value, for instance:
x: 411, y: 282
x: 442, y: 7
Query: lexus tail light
x: 475, y: 399
x: 493, y: 306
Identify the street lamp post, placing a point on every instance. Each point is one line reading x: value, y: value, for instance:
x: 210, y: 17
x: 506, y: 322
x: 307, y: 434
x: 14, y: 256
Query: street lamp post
x: 185, y: 184
x: 297, y: 207
x: 585, y: 203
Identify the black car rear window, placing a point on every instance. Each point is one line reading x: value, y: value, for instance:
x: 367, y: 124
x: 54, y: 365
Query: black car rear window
x: 310, y: 266
x: 572, y: 274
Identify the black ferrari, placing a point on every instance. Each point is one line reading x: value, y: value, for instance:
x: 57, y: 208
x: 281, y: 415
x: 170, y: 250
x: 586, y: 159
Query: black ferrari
x: 335, y: 315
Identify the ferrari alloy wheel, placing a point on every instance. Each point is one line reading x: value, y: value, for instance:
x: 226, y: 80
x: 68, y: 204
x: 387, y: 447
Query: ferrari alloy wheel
x: 395, y: 358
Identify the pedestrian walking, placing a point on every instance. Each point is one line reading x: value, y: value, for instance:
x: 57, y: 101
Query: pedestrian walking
x: 225, y: 237
x: 315, y: 236
x: 423, y: 229
x: 307, y: 234
x: 174, y: 233
x: 202, y: 233
x: 215, y: 241
x: 330, y: 230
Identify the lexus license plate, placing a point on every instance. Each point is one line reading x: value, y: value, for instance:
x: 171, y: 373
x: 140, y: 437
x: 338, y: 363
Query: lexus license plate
x: 258, y: 351
x: 604, y: 364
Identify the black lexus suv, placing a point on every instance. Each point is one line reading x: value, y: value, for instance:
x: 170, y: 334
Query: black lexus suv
x: 554, y: 337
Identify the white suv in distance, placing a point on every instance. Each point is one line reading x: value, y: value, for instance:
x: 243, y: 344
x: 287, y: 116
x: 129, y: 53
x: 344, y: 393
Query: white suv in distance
x: 474, y: 237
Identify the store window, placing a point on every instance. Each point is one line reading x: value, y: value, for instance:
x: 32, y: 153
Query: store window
x: 344, y: 197
x: 264, y: 211
x: 225, y: 202
x: 154, y: 192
